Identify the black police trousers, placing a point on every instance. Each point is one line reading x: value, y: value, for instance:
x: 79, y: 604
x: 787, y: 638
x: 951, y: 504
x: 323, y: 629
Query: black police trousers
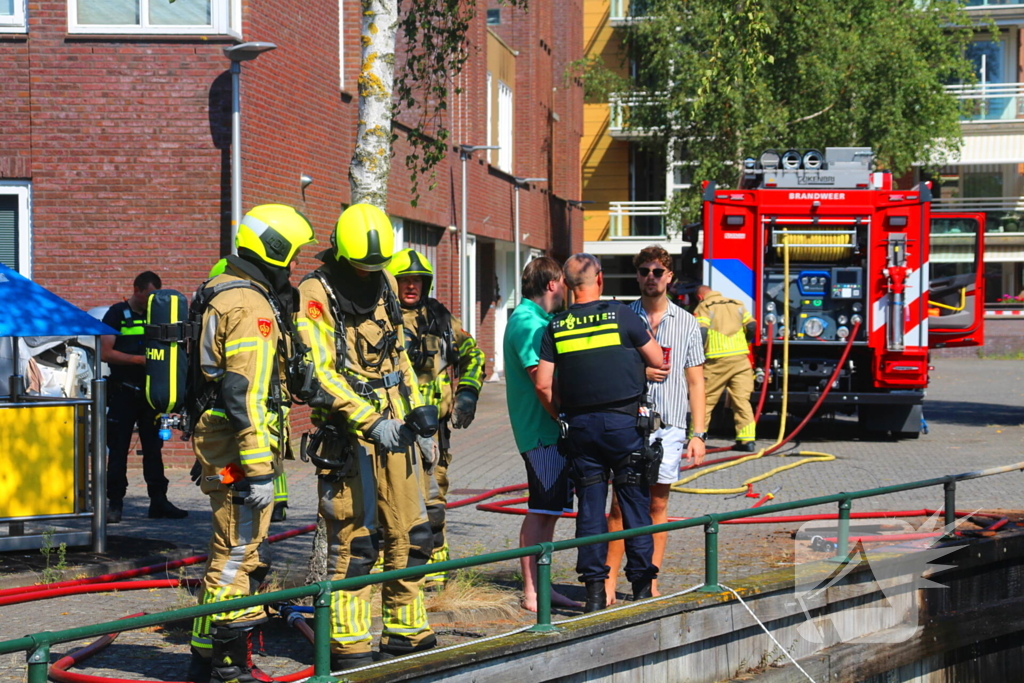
x: 599, y: 443
x: 127, y: 406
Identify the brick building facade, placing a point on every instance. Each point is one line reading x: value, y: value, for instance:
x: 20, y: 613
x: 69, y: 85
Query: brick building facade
x: 117, y: 130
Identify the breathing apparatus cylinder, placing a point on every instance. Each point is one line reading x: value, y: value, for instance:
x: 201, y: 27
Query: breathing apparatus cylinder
x: 166, y: 360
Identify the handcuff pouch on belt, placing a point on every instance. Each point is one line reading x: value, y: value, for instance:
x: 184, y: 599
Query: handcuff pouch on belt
x: 329, y: 449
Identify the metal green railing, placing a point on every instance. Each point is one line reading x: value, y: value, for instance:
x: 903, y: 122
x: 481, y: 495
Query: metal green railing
x: 37, y: 645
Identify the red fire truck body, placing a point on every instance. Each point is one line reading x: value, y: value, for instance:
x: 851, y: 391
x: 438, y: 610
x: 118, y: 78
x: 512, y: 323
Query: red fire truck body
x: 859, y: 267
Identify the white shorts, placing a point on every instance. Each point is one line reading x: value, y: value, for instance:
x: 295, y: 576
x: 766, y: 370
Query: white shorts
x: 673, y: 442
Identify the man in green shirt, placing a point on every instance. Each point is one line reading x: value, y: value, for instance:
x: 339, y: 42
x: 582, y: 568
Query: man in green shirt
x: 536, y: 434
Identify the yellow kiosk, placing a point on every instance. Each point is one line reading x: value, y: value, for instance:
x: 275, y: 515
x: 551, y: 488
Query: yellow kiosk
x: 53, y: 450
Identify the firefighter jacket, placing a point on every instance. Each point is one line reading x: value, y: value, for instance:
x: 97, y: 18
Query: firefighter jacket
x: 439, y: 347
x: 725, y: 321
x: 240, y: 349
x: 357, y: 348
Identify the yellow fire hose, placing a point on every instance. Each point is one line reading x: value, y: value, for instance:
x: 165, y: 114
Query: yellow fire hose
x: 809, y: 456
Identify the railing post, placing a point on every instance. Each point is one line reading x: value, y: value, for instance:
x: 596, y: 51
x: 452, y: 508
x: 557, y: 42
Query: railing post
x: 843, y: 537
x: 949, y: 512
x: 39, y: 664
x: 711, y: 558
x: 543, y: 624
x: 322, y: 635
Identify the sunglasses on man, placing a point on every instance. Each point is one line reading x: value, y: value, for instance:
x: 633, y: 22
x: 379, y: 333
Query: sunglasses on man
x: 644, y: 272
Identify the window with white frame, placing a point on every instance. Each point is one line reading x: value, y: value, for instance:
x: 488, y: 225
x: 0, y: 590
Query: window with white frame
x: 155, y: 16
x: 506, y: 124
x: 15, y: 226
x: 12, y: 16
x: 490, y: 116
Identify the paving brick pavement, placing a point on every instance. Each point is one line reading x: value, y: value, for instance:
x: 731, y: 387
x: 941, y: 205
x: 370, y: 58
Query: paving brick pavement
x: 975, y: 410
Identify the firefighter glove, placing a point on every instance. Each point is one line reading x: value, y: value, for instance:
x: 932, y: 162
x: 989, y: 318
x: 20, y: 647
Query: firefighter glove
x: 392, y: 435
x: 428, y: 448
x: 260, y: 495
x: 465, y: 409
x: 196, y: 473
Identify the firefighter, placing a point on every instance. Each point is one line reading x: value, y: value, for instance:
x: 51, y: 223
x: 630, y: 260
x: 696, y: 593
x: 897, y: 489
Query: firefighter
x: 350, y: 317
x: 727, y: 328
x: 241, y: 430
x: 437, y: 346
x: 280, y: 481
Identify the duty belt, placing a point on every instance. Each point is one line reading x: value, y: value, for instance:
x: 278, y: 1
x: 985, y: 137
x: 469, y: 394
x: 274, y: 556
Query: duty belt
x: 364, y: 387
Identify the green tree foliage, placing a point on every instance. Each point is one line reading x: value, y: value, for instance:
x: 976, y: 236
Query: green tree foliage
x: 727, y: 80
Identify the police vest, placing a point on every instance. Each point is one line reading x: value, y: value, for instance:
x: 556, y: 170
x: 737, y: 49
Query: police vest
x: 595, y: 365
x: 131, y: 329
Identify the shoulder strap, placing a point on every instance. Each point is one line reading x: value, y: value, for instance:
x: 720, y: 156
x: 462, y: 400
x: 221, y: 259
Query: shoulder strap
x: 340, y: 340
x: 442, y: 318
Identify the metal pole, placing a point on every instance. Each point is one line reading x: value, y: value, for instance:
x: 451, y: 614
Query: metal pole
x: 950, y: 507
x: 711, y: 558
x: 39, y: 664
x: 99, y: 455
x: 843, y: 537
x: 236, y: 152
x: 16, y: 382
x: 463, y: 256
x: 519, y: 269
x: 322, y: 633
x: 544, y: 591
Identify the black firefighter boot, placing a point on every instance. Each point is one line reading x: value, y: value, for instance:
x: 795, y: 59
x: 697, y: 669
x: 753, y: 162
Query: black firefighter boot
x: 231, y: 656
x: 597, y: 598
x: 199, y: 668
x: 642, y: 589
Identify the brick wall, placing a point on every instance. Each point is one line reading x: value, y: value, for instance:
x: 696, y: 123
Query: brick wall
x: 126, y: 141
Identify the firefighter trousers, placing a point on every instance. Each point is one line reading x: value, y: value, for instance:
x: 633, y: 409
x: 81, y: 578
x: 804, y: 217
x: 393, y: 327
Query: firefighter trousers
x: 435, y: 493
x: 386, y: 489
x: 734, y: 375
x: 238, y: 563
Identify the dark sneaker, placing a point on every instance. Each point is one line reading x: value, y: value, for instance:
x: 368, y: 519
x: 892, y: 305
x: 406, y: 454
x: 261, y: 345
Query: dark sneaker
x: 164, y: 509
x: 114, y: 511
x: 348, y: 662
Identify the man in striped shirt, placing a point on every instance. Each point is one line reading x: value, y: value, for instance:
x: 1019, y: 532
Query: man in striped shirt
x: 677, y: 385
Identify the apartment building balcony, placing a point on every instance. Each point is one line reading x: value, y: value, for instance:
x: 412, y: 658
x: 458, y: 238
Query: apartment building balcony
x: 991, y: 102
x: 619, y: 106
x: 636, y: 220
x: 624, y: 11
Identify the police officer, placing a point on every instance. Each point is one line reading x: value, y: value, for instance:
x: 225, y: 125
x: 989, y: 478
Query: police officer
x: 241, y: 433
x: 127, y: 406
x: 727, y: 328
x: 600, y: 349
x: 438, y: 346
x: 350, y: 317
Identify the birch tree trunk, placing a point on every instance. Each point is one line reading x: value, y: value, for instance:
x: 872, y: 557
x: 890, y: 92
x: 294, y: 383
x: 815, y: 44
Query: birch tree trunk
x: 371, y: 163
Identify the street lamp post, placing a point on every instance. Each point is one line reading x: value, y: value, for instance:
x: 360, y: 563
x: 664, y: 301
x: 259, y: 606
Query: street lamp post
x: 519, y: 182
x: 465, y: 305
x: 238, y: 54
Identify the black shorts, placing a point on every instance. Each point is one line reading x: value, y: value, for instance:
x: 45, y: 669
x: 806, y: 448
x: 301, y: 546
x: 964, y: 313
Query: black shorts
x: 547, y: 472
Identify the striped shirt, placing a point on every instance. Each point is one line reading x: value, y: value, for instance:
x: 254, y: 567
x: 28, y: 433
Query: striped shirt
x: 678, y: 331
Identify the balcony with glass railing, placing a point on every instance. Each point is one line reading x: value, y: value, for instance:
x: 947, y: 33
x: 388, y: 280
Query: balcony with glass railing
x: 991, y: 102
x: 1003, y: 215
x: 993, y: 3
x: 624, y: 11
x: 636, y: 220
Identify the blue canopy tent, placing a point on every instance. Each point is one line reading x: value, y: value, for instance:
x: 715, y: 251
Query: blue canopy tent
x: 29, y: 310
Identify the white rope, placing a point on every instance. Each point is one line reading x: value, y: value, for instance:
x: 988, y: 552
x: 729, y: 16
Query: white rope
x: 765, y: 628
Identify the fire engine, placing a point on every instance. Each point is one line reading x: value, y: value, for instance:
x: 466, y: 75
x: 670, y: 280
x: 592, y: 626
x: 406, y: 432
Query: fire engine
x: 827, y: 254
